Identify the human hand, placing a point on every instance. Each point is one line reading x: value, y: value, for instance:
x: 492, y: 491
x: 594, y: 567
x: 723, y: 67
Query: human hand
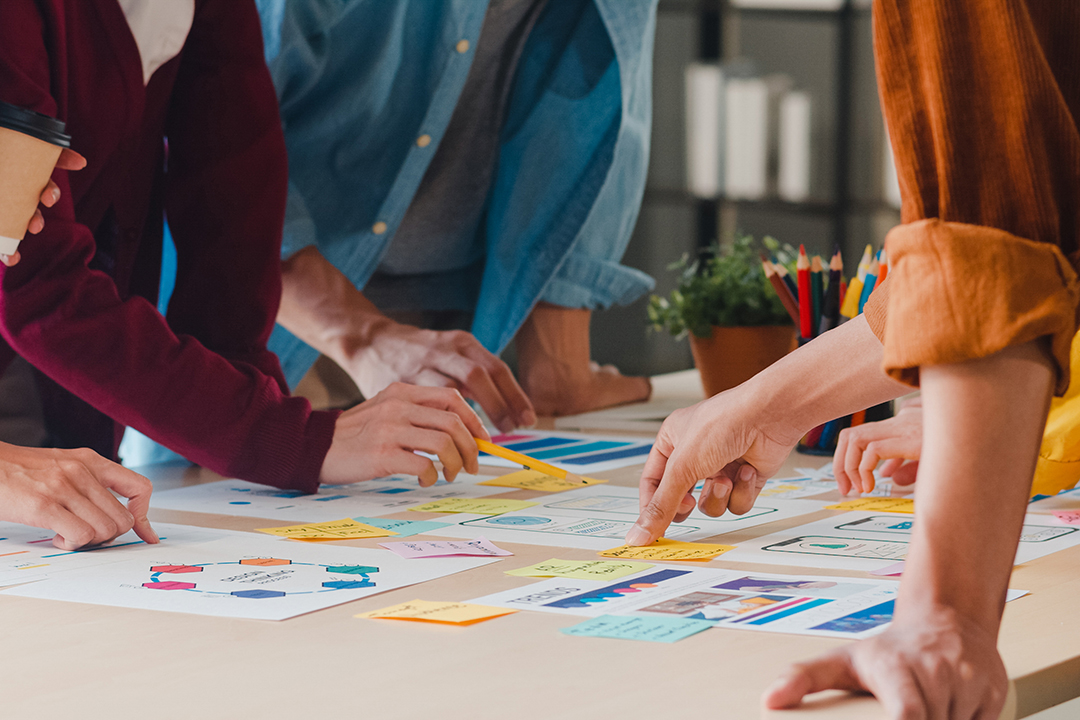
x: 69, y: 160
x: 380, y: 436
x: 448, y: 359
x: 723, y: 440
x: 67, y: 492
x: 896, y: 440
x: 935, y: 664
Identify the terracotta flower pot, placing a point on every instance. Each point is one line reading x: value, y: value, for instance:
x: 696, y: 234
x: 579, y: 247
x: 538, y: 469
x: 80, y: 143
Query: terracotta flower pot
x: 732, y: 355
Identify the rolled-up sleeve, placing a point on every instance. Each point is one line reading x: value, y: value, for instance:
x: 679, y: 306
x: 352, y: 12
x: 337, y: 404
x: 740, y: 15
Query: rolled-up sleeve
x: 981, y: 99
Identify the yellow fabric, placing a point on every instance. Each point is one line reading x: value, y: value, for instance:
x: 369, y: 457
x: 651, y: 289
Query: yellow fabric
x: 1059, y: 457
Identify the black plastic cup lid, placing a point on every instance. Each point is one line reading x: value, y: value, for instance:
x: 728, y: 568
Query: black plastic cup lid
x: 34, y: 124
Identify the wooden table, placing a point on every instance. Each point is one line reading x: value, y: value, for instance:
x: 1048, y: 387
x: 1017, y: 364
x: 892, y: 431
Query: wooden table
x: 66, y: 660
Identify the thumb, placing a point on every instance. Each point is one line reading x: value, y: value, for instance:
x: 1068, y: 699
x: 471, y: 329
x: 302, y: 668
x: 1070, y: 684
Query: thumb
x: 830, y: 672
x: 678, y: 480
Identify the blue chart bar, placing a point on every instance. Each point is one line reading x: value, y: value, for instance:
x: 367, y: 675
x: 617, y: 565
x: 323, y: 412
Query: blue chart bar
x: 790, y: 611
x: 330, y: 497
x: 577, y: 450
x: 540, y: 443
x: 614, y: 455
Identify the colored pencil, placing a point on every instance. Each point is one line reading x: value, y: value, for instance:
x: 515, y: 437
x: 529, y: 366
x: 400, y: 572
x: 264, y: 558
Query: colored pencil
x: 883, y: 270
x: 781, y: 290
x: 868, y: 284
x: 858, y: 418
x: 806, y: 301
x: 812, y: 437
x: 843, y: 292
x: 531, y: 463
x: 850, y: 308
x: 817, y: 290
x: 830, y: 311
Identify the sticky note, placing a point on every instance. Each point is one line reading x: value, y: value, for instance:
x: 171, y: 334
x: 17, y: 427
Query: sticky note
x: 450, y: 613
x: 1069, y: 517
x: 404, y: 528
x: 653, y: 629
x: 534, y: 480
x: 876, y: 504
x: 443, y: 548
x: 664, y: 549
x: 347, y: 529
x: 476, y: 506
x: 582, y: 569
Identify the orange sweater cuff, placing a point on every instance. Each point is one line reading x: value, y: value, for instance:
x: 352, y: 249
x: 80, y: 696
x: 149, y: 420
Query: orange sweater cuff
x: 960, y: 292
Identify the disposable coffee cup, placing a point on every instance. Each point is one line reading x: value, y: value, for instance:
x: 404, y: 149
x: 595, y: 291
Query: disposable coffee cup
x: 30, y: 145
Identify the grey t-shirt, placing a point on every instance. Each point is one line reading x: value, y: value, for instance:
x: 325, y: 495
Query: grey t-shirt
x: 436, y: 257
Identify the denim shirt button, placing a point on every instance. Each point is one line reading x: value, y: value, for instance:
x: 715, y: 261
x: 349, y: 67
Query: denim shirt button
x: 423, y: 141
x: 462, y: 46
x: 379, y: 228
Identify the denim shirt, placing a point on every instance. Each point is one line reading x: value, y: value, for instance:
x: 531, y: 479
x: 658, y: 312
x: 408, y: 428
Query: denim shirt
x: 362, y: 81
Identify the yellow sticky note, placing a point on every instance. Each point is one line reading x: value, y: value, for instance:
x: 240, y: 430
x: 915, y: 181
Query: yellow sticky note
x: 477, y: 506
x: 347, y: 529
x: 876, y: 504
x: 664, y: 549
x: 582, y: 569
x: 450, y: 613
x: 535, y: 480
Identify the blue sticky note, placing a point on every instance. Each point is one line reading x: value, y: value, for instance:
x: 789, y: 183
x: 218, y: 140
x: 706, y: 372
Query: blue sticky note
x: 403, y: 528
x: 653, y: 629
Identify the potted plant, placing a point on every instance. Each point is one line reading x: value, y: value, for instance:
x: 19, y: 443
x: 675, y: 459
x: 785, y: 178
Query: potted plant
x: 736, y: 323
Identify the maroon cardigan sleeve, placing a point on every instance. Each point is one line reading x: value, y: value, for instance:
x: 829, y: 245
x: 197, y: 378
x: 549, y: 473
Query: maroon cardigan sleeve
x: 226, y: 198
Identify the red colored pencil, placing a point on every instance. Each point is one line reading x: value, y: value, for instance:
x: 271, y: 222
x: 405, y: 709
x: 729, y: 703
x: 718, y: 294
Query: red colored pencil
x: 843, y: 291
x: 883, y: 271
x: 806, y: 302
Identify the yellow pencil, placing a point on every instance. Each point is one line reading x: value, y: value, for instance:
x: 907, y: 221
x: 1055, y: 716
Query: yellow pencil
x: 850, y: 308
x: 531, y: 463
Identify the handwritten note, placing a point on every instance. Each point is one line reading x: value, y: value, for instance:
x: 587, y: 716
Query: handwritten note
x: 476, y: 506
x: 1069, y: 517
x: 653, y: 629
x: 404, y: 528
x: 449, y: 613
x: 444, y: 548
x: 347, y: 529
x: 664, y: 549
x: 876, y: 504
x: 582, y: 569
x: 534, y: 480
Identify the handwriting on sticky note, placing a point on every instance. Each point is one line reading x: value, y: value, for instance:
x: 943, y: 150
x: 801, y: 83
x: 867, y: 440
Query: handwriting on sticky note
x: 404, y: 528
x: 535, y: 480
x: 653, y: 629
x: 451, y: 613
x: 876, y: 504
x: 445, y: 548
x: 347, y: 529
x: 582, y: 569
x: 1069, y: 517
x: 476, y: 506
x: 664, y: 549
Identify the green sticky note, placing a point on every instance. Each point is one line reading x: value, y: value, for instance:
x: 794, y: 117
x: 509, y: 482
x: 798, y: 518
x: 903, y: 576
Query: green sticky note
x: 639, y: 627
x: 404, y: 528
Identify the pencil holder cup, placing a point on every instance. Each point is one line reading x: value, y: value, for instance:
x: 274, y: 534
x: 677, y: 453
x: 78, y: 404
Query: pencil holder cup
x: 822, y: 439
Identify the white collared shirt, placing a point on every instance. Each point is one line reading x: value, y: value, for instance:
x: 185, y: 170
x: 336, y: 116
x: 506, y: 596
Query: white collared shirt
x: 160, y: 28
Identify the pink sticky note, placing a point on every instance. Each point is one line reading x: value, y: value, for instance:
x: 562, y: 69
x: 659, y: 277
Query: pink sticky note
x: 890, y: 570
x: 444, y: 548
x: 1069, y: 517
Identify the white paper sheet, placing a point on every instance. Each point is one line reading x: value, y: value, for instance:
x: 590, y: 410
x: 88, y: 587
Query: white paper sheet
x: 806, y: 605
x: 598, y: 518
x: 870, y: 540
x: 27, y: 553
x: 374, y: 498
x: 242, y: 576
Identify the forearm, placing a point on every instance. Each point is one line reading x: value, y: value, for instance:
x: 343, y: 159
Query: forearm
x: 983, y: 422
x: 323, y: 308
x: 837, y: 374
